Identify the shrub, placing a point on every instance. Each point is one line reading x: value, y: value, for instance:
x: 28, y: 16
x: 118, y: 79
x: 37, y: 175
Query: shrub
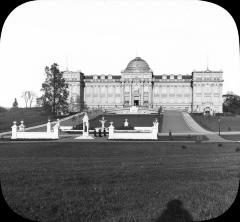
x: 237, y: 149
x: 184, y: 147
x: 227, y: 114
x: 198, y: 138
x: 220, y: 144
x: 2, y: 109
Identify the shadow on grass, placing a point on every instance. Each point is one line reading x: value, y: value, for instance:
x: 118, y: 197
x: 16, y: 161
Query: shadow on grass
x: 175, y: 213
x: 7, y: 212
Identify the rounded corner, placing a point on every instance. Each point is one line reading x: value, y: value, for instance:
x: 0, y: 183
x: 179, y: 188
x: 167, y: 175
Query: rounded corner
x: 223, y: 10
x: 10, y: 212
x: 13, y: 10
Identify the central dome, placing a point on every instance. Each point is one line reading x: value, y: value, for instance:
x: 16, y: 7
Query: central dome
x: 138, y: 65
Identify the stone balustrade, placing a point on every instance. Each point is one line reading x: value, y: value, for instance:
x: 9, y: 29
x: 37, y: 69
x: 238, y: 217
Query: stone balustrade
x: 18, y: 132
x: 139, y: 133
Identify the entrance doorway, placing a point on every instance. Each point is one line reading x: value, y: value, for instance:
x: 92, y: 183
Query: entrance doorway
x: 136, y: 102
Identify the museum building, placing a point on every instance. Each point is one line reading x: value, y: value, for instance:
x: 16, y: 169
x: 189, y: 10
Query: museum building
x: 200, y: 91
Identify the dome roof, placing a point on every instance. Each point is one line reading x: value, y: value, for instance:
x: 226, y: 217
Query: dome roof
x: 137, y: 65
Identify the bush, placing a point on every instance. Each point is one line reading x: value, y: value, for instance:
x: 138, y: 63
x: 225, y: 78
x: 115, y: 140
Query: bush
x: 199, y: 138
x: 220, y: 144
x: 228, y: 114
x: 237, y: 149
x: 2, y: 109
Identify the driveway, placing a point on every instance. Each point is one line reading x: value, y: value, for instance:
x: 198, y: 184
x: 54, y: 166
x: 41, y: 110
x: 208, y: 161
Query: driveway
x: 174, y: 121
x: 182, y: 123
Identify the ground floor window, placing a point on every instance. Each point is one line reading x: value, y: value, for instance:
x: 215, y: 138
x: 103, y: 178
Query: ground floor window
x: 145, y: 103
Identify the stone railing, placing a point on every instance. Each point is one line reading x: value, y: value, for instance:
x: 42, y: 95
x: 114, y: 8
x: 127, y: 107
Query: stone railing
x: 139, y: 133
x: 18, y: 132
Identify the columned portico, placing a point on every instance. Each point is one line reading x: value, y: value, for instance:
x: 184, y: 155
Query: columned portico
x: 139, y: 75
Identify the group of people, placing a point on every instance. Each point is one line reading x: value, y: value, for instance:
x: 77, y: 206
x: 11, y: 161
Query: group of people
x: 99, y: 132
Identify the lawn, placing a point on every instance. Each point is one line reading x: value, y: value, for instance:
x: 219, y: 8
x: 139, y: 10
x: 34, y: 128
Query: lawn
x: 228, y: 123
x: 131, y: 181
x: 30, y: 116
x: 231, y: 137
x: 183, y: 138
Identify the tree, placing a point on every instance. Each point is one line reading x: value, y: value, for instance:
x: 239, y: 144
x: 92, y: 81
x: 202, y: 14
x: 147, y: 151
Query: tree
x: 15, y: 103
x: 28, y: 97
x: 39, y: 102
x: 32, y: 97
x: 231, y: 103
x: 55, y: 91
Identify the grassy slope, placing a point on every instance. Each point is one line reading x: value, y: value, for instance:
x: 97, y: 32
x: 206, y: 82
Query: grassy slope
x: 211, y: 123
x: 231, y: 137
x: 117, y: 181
x: 30, y: 116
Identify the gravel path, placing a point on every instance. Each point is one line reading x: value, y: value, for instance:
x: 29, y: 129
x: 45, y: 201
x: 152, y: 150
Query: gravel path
x: 173, y: 120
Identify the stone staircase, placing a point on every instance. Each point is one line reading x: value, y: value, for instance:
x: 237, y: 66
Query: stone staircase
x: 126, y: 110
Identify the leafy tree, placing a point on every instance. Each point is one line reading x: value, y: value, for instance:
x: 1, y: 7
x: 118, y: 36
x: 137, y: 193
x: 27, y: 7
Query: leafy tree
x: 39, y: 102
x: 55, y: 91
x: 15, y: 103
x: 231, y: 103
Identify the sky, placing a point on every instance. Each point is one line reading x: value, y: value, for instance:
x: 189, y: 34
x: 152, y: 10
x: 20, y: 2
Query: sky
x: 102, y: 36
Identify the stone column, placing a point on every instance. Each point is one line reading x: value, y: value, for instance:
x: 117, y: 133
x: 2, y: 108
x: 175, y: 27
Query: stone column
x: 212, y: 91
x: 192, y: 98
x: 149, y: 95
x: 14, y: 130
x: 202, y: 96
x: 99, y: 95
x: 48, y: 126
x: 91, y: 94
x: 151, y: 85
x: 114, y: 94
x: 130, y: 91
x: 56, y: 131
x: 122, y: 93
x: 107, y: 94
x: 142, y: 96
x: 84, y: 94
x: 58, y: 123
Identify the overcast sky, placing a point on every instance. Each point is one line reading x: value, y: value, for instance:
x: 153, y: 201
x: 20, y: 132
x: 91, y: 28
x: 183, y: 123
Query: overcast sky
x: 101, y: 37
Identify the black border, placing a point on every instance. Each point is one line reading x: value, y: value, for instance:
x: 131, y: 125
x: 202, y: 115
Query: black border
x: 232, y: 214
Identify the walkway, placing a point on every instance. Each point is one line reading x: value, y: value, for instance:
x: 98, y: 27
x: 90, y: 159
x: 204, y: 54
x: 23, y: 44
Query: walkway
x: 173, y: 120
x: 181, y: 123
x: 195, y: 127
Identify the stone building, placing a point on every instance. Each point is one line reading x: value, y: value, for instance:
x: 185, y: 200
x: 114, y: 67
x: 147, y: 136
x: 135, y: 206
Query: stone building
x: 200, y: 91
